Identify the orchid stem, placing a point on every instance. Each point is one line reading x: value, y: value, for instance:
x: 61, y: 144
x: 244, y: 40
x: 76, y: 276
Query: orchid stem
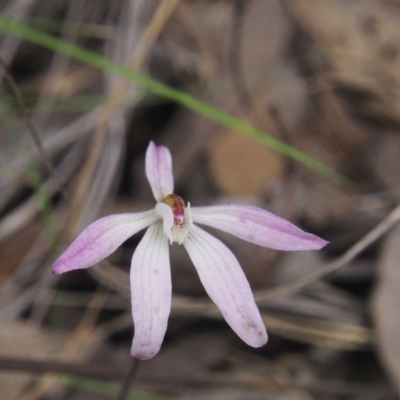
x: 126, y: 385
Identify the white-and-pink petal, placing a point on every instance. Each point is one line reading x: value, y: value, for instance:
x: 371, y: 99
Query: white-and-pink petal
x: 257, y: 226
x: 227, y: 286
x: 151, y: 292
x: 159, y: 171
x: 100, y: 239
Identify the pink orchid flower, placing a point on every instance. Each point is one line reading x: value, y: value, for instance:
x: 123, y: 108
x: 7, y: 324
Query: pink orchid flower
x: 218, y: 268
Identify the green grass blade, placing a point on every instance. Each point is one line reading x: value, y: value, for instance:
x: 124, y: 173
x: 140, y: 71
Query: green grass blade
x: 42, y: 39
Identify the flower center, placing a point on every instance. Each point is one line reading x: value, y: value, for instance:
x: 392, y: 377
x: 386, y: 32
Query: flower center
x: 176, y: 217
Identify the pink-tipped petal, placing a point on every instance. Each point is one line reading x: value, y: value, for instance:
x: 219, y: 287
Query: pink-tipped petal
x: 227, y: 286
x: 151, y: 292
x: 159, y: 171
x: 100, y: 239
x: 257, y: 226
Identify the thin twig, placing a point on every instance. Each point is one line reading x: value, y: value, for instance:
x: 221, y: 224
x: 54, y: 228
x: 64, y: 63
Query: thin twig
x: 292, y: 288
x: 315, y: 385
x: 31, y: 129
x: 126, y: 385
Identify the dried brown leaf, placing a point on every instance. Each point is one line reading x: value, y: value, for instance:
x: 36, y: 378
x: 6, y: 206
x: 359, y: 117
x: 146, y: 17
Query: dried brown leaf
x: 241, y: 166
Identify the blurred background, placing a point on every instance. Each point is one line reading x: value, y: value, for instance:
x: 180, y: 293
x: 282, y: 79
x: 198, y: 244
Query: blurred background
x: 322, y: 76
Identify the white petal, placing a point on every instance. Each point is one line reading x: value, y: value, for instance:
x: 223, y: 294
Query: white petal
x: 226, y: 285
x: 151, y: 292
x: 159, y: 171
x: 257, y: 226
x: 100, y: 239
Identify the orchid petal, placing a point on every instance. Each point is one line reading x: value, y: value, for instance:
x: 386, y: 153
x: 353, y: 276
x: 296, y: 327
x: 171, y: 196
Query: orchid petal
x: 151, y: 292
x: 159, y: 171
x: 227, y: 286
x: 257, y: 226
x: 100, y: 239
